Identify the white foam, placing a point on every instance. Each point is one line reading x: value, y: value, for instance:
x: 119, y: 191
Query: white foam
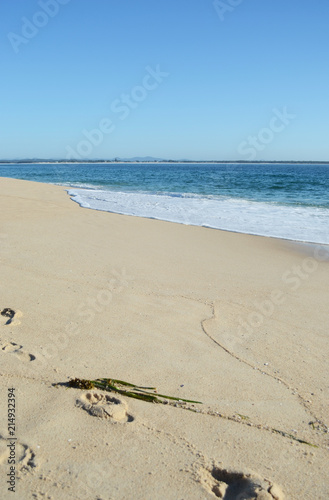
x: 242, y: 216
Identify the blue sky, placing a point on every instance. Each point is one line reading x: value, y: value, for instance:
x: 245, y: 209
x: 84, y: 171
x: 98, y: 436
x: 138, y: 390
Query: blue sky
x: 174, y: 79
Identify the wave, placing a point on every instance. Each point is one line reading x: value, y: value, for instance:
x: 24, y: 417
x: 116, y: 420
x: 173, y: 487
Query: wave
x: 259, y: 218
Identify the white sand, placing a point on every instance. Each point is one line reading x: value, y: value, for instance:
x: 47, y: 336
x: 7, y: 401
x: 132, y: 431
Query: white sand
x: 235, y: 321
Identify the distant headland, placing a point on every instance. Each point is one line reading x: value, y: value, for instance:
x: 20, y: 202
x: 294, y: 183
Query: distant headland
x: 150, y: 159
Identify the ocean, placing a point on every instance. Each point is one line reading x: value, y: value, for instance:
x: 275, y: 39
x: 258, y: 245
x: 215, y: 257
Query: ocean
x: 289, y: 201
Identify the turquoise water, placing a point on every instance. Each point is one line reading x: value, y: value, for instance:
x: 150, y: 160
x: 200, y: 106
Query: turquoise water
x: 288, y: 201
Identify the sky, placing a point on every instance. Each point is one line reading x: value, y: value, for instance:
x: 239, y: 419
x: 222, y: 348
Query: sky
x: 174, y: 79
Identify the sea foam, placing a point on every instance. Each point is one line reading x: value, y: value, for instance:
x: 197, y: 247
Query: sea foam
x: 306, y: 224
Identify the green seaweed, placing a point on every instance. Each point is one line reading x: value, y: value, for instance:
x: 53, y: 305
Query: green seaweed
x: 148, y: 394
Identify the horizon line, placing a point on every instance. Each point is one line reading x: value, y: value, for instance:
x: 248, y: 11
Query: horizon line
x: 150, y: 160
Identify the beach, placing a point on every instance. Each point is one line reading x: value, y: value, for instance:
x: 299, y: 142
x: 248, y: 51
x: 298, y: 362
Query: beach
x: 235, y: 321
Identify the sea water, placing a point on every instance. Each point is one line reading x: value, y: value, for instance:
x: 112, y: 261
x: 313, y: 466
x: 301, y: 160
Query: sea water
x: 288, y: 201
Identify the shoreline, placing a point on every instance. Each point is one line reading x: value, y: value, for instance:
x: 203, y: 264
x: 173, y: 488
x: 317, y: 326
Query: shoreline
x: 272, y: 211
x: 236, y: 321
x: 310, y: 244
x: 299, y: 242
x: 74, y: 194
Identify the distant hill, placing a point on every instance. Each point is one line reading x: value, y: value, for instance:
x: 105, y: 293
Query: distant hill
x: 141, y: 158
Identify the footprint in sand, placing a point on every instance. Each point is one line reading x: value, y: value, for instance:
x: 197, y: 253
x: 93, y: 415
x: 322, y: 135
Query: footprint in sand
x: 16, y: 349
x: 10, y: 317
x: 25, y: 456
x: 232, y: 485
x: 105, y: 406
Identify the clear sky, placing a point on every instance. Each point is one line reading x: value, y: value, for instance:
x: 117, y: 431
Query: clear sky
x: 194, y: 79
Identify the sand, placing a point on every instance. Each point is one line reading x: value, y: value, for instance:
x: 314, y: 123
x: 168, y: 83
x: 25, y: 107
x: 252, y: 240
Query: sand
x: 238, y: 322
